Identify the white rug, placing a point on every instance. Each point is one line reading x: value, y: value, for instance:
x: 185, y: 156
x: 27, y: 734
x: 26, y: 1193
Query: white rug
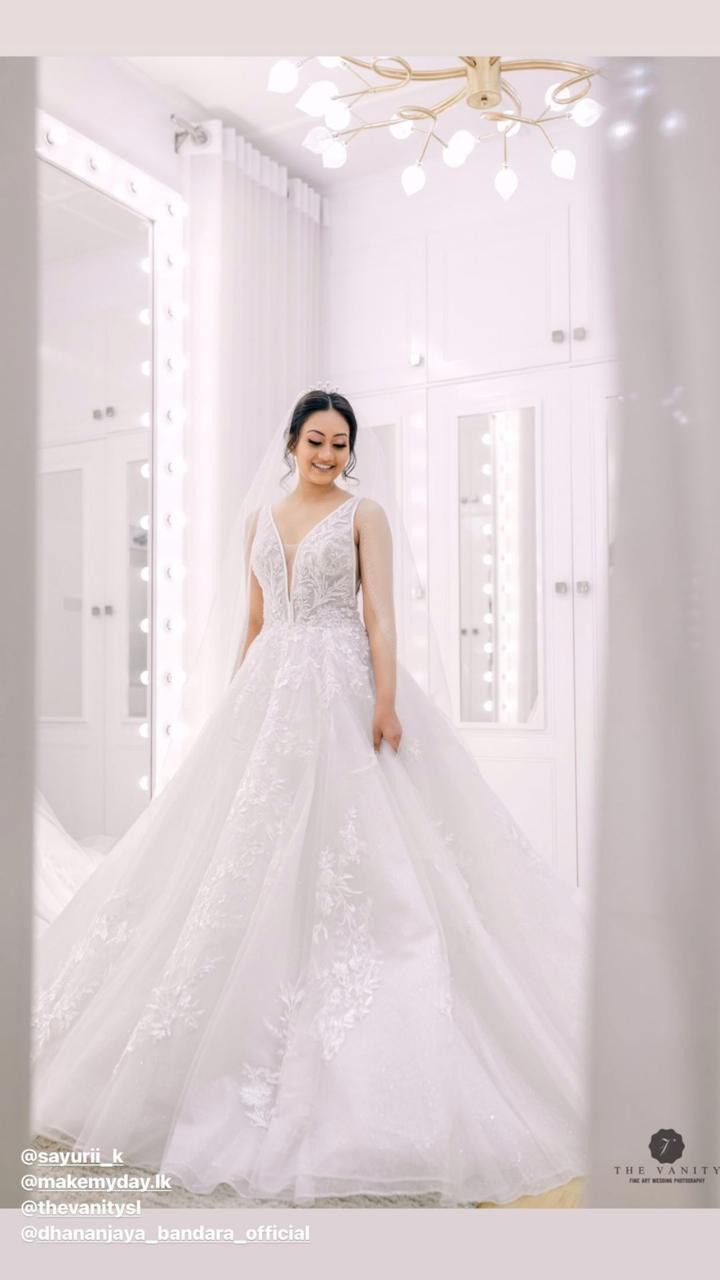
x: 223, y: 1197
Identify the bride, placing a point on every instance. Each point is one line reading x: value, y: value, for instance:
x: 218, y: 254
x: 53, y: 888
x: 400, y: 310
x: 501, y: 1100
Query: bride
x: 324, y: 961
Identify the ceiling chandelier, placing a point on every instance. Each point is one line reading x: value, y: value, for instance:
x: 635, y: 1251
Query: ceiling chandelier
x: 482, y: 88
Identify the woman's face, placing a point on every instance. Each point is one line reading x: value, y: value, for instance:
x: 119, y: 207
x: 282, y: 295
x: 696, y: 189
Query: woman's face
x: 323, y: 447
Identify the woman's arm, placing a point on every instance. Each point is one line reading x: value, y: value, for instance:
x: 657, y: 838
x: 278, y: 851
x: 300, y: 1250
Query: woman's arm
x: 255, y: 596
x: 376, y: 577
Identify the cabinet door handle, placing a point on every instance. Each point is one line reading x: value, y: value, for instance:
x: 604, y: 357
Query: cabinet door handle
x: 109, y: 608
x: 580, y: 333
x: 96, y: 610
x: 561, y: 588
x: 558, y: 335
x: 583, y: 587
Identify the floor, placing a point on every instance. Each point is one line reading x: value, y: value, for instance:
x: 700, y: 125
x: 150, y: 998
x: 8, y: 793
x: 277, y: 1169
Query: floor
x: 569, y: 1196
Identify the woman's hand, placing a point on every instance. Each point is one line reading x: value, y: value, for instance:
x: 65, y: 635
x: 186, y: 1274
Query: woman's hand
x: 386, y: 725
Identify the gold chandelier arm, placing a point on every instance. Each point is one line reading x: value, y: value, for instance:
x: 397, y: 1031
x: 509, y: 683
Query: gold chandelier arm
x: 440, y: 73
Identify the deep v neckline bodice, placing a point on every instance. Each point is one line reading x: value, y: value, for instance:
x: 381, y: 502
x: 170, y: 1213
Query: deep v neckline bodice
x: 290, y: 577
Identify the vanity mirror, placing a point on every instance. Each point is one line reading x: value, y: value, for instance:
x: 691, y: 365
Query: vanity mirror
x: 110, y: 440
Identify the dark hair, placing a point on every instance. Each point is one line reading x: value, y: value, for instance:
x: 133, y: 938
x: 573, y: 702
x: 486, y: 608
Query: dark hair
x: 311, y: 402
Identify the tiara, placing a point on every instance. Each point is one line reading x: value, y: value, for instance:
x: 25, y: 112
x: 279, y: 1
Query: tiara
x: 322, y: 386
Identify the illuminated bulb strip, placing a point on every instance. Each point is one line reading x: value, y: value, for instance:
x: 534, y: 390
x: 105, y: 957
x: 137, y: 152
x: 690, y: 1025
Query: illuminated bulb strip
x: 507, y: 456
x: 166, y: 210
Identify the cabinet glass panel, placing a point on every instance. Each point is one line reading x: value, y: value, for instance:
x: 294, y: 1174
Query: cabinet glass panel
x: 60, y: 595
x: 498, y: 566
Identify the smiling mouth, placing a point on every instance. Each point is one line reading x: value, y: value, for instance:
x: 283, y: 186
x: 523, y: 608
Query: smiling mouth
x: 318, y: 467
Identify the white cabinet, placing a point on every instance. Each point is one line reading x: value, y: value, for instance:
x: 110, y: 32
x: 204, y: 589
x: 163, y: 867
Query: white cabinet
x: 374, y: 315
x: 524, y: 745
x: 91, y: 647
x: 592, y: 330
x: 497, y: 296
x: 509, y: 316
x: 597, y: 426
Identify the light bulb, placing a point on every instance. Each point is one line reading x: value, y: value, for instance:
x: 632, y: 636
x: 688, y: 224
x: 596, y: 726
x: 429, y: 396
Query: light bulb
x: 144, y: 522
x: 487, y: 589
x: 563, y: 163
x: 144, y: 783
x: 145, y: 265
x: 145, y: 573
x: 488, y: 677
x: 334, y: 154
x: 413, y: 179
x: 144, y: 677
x: 586, y: 112
x: 56, y: 135
x: 508, y: 127
x: 144, y: 419
x: 144, y: 316
x: 317, y: 139
x: 283, y: 77
x: 145, y: 471
x: 453, y: 157
x: 463, y: 141
x: 488, y: 617
x: 145, y: 625
x: 400, y: 128
x: 144, y: 729
x: 316, y: 98
x: 550, y: 101
x: 488, y: 706
x: 337, y: 115
x: 330, y: 61
x: 146, y: 368
x: 506, y: 181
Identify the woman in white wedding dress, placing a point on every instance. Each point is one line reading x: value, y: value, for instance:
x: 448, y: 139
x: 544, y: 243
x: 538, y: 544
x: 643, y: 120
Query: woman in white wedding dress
x: 324, y: 961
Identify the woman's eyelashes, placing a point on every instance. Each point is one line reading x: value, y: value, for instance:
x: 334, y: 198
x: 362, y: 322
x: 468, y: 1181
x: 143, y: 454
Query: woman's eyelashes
x: 319, y: 442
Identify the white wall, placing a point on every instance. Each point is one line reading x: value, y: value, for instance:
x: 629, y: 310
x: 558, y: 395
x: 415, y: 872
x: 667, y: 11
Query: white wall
x: 18, y: 412
x: 112, y: 102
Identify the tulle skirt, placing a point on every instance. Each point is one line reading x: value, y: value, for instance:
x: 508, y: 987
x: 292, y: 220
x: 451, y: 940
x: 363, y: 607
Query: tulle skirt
x: 312, y: 969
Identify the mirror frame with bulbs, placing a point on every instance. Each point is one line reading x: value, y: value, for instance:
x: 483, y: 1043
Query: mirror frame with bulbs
x: 165, y: 210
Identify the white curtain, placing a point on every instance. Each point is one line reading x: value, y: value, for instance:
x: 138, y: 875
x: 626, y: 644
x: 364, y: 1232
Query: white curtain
x: 254, y: 242
x: 657, y: 981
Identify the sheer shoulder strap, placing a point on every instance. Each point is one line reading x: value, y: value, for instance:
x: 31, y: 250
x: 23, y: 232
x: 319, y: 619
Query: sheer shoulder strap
x: 376, y: 572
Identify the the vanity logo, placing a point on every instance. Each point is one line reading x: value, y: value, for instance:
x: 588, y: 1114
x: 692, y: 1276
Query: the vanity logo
x: 666, y: 1147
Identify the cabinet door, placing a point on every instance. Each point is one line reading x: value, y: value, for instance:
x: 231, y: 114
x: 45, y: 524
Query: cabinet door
x: 374, y: 314
x: 500, y: 569
x: 597, y: 411
x: 498, y: 295
x: 592, y: 334
x: 70, y: 658
x: 127, y: 628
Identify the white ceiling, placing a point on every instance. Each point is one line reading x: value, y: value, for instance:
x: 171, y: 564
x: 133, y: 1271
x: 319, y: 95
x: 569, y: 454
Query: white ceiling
x: 235, y: 89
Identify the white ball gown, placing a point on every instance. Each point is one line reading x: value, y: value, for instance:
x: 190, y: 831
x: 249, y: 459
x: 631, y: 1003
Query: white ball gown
x: 312, y: 969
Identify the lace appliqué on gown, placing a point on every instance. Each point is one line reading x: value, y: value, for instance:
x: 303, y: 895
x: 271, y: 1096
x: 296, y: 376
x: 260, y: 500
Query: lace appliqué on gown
x: 344, y: 971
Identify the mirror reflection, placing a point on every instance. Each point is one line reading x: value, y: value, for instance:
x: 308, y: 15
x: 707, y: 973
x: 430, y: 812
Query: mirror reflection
x: 94, y: 490
x: 499, y: 571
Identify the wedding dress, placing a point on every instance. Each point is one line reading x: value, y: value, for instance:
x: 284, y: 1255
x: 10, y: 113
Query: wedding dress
x: 60, y: 865
x: 315, y: 969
